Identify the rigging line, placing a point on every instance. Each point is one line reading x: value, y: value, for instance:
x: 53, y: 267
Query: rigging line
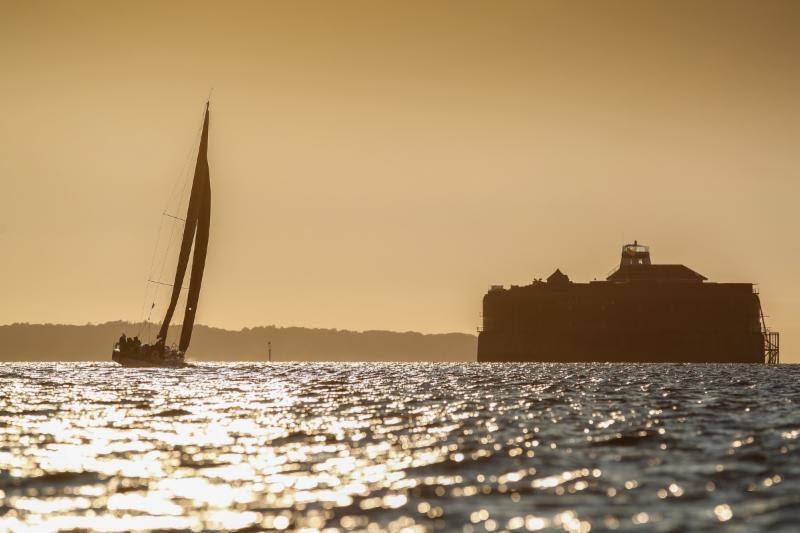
x: 169, y: 248
x: 173, y: 216
x: 152, y: 264
x: 167, y: 251
x: 151, y: 298
x: 167, y: 284
x: 141, y: 315
x: 179, y: 187
x: 187, y: 175
x: 187, y: 163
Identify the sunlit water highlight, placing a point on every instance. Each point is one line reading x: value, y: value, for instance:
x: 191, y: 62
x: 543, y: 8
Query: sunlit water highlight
x: 457, y: 447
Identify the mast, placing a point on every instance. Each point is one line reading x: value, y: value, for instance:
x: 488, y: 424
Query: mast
x: 198, y: 215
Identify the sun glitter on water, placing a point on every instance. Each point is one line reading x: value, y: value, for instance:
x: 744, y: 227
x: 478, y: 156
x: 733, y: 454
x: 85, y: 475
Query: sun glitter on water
x: 397, y: 447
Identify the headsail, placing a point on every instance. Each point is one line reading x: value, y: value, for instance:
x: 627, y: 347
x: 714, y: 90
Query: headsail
x: 195, y: 229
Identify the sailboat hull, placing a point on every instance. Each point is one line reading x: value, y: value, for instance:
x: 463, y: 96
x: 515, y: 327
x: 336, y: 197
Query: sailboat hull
x: 137, y: 358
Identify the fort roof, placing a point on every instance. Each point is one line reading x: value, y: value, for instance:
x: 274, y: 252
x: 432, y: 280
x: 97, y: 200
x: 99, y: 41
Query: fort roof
x: 656, y: 273
x: 558, y: 277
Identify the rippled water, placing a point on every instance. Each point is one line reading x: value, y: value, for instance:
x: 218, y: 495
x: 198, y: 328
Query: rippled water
x: 460, y: 447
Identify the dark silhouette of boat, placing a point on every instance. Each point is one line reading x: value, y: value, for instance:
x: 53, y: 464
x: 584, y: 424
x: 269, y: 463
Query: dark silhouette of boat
x: 641, y: 313
x: 131, y: 352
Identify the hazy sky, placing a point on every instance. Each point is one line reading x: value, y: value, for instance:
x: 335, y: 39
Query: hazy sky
x: 379, y: 165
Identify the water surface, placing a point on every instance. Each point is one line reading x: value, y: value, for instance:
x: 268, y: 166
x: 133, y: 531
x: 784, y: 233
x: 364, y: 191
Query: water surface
x: 457, y: 447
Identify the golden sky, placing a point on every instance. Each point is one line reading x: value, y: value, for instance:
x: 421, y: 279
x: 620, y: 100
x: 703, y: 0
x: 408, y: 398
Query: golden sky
x: 380, y: 164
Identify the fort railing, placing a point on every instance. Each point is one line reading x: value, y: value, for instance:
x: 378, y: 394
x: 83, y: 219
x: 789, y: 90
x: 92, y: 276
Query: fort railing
x: 772, y: 347
x: 772, y: 339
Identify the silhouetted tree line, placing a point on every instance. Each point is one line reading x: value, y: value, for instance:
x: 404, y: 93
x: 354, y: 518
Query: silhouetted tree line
x: 94, y: 342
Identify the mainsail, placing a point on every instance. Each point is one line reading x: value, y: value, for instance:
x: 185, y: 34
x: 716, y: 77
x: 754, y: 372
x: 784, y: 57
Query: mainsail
x: 195, y: 230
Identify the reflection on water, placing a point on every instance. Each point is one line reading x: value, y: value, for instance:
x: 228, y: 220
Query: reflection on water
x: 399, y: 446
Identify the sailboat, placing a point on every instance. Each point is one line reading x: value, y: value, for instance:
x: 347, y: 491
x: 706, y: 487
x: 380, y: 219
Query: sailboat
x: 130, y: 351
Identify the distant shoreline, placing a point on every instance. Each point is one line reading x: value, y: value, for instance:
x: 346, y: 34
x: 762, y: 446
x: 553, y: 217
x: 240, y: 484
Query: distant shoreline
x: 93, y: 342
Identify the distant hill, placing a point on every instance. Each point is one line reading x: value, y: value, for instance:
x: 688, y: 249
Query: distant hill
x: 58, y: 342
